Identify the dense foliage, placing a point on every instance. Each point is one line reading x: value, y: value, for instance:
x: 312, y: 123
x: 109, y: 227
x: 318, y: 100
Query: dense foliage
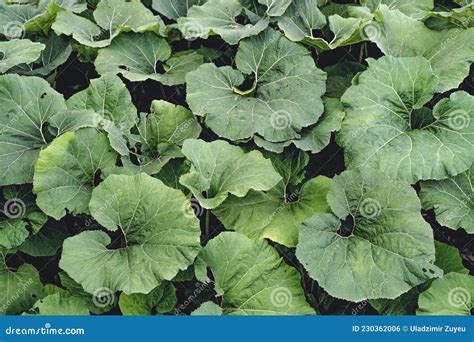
x: 249, y: 157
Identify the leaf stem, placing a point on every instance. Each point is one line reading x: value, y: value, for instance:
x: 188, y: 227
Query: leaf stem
x: 207, y: 223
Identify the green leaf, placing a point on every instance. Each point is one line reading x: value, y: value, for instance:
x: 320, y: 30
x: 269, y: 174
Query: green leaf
x: 158, y: 240
x: 450, y: 52
x: 451, y: 295
x: 138, y: 56
x: 159, y: 135
x: 457, y: 18
x: 57, y: 50
x: 253, y: 278
x: 392, y: 131
x: 18, y: 290
x: 452, y: 200
x: 284, y: 98
x: 111, y: 18
x: 302, y: 18
x: 219, y: 169
x: 220, y: 17
x: 28, y: 105
x: 376, y: 245
x: 162, y: 299
x: 208, y: 309
x: 55, y: 305
x: 175, y: 9
x: 16, y: 52
x: 276, y: 214
x: 415, y: 9
x: 47, y: 241
x: 449, y: 259
x: 66, y: 170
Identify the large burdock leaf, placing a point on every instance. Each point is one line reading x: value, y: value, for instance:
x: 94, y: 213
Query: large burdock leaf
x: 27, y: 105
x: 390, y: 129
x: 219, y: 169
x: 278, y: 213
x: 284, y: 97
x: 159, y: 135
x: 174, y: 9
x: 252, y: 278
x: 451, y: 295
x: 19, y: 289
x: 16, y: 52
x: 110, y: 100
x: 452, y: 200
x: 415, y: 9
x: 56, y: 305
x: 137, y: 57
x: 220, y: 17
x: 450, y: 52
x: 67, y: 169
x: 162, y: 299
x: 157, y: 239
x: 376, y: 245
x: 111, y: 18
x: 57, y: 50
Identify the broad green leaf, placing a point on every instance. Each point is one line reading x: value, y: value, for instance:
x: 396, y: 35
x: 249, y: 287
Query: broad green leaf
x: 276, y: 214
x: 285, y: 95
x: 72, y: 120
x: 19, y: 289
x: 55, y: 305
x: 172, y: 171
x: 16, y: 52
x: 208, y: 309
x: 452, y: 200
x: 109, y: 98
x: 47, y: 241
x: 415, y: 9
x: 160, y: 300
x: 376, y: 245
x: 66, y: 171
x: 275, y: 8
x: 340, y: 78
x: 27, y: 105
x: 391, y: 130
x: 219, y: 169
x: 449, y: 259
x: 57, y: 50
x: 157, y: 239
x: 159, y: 135
x: 220, y: 17
x: 253, y: 278
x: 139, y: 57
x: 450, y: 52
x: 302, y: 18
x: 111, y: 18
x: 451, y: 295
x: 175, y: 9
